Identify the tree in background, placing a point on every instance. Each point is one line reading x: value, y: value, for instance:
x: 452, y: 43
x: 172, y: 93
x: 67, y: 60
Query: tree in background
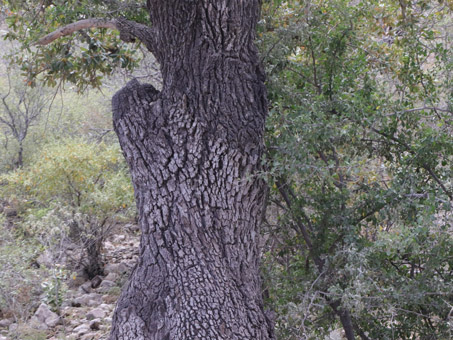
x: 360, y: 161
x: 193, y: 148
x: 21, y: 107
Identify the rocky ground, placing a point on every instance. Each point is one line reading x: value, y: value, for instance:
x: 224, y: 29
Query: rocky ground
x: 86, y: 311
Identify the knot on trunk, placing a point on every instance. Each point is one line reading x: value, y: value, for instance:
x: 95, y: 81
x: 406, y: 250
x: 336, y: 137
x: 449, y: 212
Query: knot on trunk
x: 133, y: 98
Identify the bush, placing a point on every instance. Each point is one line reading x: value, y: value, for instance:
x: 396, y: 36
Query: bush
x: 19, y: 281
x: 74, y: 190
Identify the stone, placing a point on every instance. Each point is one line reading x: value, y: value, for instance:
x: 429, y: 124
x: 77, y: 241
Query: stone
x: 92, y: 299
x: 118, y: 268
x: 96, y: 313
x: 46, y: 316
x: 86, y: 288
x: 5, y: 323
x: 105, y: 286
x: 53, y: 321
x: 112, y: 277
x: 96, y: 281
x: 105, y: 306
x: 35, y: 323
x: 81, y: 329
x: 95, y: 324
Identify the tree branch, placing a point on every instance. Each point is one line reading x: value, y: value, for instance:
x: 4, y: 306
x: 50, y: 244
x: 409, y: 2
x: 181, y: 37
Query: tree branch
x: 129, y: 30
x: 77, y: 26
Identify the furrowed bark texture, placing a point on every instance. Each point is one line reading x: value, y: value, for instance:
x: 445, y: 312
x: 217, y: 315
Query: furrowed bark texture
x: 194, y: 151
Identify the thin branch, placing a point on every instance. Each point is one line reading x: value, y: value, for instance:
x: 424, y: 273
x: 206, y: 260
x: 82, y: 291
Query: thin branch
x: 77, y: 26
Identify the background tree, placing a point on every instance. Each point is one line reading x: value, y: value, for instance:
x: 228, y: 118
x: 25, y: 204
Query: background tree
x: 193, y: 149
x: 21, y: 107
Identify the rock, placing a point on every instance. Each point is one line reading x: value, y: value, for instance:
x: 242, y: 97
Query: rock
x: 46, y: 316
x: 117, y: 268
x: 81, y: 329
x: 35, y: 323
x: 96, y: 281
x: 53, y: 322
x: 92, y: 299
x: 112, y: 277
x: 95, y: 324
x: 105, y: 286
x: 110, y: 299
x: 105, y: 306
x: 96, y: 313
x: 5, y: 323
x: 86, y: 288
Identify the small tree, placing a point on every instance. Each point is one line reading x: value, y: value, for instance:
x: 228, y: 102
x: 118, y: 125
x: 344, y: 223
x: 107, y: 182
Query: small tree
x: 79, y: 185
x: 21, y: 107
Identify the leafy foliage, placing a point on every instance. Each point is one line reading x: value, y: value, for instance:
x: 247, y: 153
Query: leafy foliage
x: 19, y: 282
x: 360, y: 163
x: 76, y: 189
x: 82, y: 59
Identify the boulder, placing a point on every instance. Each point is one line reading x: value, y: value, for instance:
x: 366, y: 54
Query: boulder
x: 45, y: 316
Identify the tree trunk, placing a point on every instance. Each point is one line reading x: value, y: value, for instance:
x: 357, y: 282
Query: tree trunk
x: 194, y: 152
x: 20, y: 155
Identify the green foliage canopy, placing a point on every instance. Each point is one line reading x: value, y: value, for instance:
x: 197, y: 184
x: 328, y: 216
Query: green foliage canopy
x: 360, y: 160
x: 82, y: 58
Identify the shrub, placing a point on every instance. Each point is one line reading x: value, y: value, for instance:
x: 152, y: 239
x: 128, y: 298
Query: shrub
x: 74, y: 190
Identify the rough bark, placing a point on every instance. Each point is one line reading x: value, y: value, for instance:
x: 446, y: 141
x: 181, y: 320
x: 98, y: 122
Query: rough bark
x: 194, y: 152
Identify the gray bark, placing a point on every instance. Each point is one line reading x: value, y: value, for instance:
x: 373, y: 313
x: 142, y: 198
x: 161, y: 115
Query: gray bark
x: 194, y: 153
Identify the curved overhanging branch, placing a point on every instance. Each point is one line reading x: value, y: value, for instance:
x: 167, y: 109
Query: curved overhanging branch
x: 129, y: 30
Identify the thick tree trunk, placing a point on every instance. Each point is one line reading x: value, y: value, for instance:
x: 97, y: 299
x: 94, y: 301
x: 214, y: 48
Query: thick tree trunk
x: 194, y: 151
